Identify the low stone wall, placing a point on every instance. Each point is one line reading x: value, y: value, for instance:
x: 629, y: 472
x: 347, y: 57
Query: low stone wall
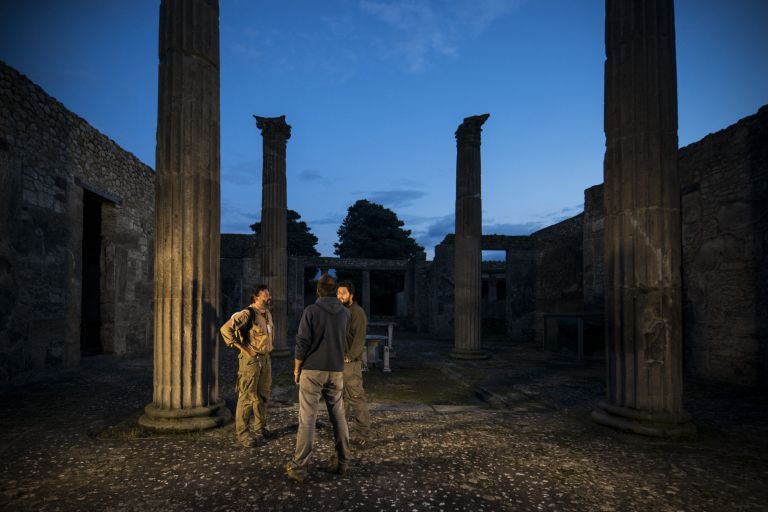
x: 50, y: 160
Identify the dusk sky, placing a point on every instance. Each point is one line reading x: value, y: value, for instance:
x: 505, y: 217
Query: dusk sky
x: 375, y: 89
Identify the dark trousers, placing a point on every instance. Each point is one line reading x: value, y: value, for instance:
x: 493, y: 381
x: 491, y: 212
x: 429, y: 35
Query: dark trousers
x: 355, y: 403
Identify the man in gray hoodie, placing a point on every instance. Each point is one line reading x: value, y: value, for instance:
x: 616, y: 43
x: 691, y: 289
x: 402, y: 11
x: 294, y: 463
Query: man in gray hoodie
x: 319, y: 372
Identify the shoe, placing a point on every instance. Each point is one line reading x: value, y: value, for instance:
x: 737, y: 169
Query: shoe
x: 359, y: 442
x: 254, y: 442
x: 266, y: 433
x: 334, y: 466
x: 293, y: 474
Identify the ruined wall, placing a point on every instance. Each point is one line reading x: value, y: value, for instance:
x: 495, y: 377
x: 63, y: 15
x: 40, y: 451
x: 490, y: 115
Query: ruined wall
x: 417, y: 296
x: 521, y: 289
x: 50, y: 160
x: 593, y: 268
x: 441, y: 290
x: 240, y: 271
x: 558, y: 274
x: 724, y: 188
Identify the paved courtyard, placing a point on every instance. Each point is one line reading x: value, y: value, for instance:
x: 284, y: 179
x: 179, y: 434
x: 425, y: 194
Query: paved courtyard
x: 509, y: 433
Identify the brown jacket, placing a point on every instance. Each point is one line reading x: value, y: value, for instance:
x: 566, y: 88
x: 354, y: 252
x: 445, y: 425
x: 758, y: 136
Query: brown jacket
x: 257, y: 334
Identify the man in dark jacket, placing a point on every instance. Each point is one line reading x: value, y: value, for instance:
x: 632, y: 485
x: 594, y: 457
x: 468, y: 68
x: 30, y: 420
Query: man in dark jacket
x: 355, y: 403
x: 319, y: 371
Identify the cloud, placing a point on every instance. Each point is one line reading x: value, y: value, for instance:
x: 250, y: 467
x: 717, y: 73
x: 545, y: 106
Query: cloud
x: 246, y: 50
x: 434, y: 229
x: 310, y: 175
x: 426, y: 28
x: 330, y: 219
x: 237, y: 173
x: 512, y: 229
x: 395, y: 198
x: 237, y: 220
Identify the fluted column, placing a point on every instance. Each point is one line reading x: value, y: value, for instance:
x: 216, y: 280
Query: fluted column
x: 274, y: 243
x: 186, y: 387
x: 469, y: 230
x: 642, y: 223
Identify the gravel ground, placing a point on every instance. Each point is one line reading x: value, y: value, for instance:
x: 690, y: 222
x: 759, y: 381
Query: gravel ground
x: 509, y: 433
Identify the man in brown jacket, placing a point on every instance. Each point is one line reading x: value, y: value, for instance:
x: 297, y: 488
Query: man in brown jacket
x: 251, y: 331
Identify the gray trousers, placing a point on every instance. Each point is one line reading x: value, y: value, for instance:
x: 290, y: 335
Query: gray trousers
x: 314, y: 384
x: 355, y: 402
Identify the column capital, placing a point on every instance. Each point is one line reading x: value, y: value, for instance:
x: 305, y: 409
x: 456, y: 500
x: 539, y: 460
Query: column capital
x: 469, y: 130
x: 273, y: 127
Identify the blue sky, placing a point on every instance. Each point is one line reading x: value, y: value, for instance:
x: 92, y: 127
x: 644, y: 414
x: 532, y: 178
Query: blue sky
x: 375, y: 89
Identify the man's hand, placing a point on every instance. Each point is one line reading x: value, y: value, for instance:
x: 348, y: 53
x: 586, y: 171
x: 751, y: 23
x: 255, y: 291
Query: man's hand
x: 247, y: 350
x: 296, y: 370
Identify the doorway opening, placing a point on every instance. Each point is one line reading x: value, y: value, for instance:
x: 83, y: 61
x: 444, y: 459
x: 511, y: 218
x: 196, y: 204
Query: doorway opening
x: 90, y: 322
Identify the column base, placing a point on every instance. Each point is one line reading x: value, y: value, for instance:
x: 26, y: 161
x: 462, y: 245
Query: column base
x: 467, y: 354
x: 646, y: 423
x: 185, y: 420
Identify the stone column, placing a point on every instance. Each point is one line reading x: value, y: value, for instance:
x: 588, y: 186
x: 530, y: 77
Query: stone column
x: 186, y: 385
x: 274, y: 204
x: 367, y: 292
x: 642, y: 225
x: 468, y: 257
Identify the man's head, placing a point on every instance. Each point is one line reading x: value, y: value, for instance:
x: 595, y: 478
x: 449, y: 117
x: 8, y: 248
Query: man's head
x: 260, y: 296
x: 326, y: 286
x: 346, y: 293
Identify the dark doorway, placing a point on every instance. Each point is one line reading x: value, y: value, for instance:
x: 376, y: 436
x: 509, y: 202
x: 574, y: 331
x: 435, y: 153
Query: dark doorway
x: 90, y: 322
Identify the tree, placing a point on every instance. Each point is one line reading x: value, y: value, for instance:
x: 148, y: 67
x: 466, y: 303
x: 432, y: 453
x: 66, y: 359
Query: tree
x: 301, y: 241
x: 371, y: 231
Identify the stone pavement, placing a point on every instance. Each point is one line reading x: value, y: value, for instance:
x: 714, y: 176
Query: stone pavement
x: 509, y: 433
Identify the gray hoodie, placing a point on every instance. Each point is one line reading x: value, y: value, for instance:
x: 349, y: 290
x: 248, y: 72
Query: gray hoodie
x: 322, y: 335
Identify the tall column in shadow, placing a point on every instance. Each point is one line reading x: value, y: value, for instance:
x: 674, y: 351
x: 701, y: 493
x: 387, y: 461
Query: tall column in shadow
x: 642, y: 224
x: 274, y: 241
x: 186, y: 388
x: 469, y: 231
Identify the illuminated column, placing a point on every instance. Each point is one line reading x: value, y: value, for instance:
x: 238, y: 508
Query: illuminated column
x: 643, y: 307
x: 274, y: 243
x: 186, y: 386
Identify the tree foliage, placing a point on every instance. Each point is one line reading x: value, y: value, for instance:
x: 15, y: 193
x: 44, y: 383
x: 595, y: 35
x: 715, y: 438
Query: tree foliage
x: 372, y: 231
x: 301, y: 241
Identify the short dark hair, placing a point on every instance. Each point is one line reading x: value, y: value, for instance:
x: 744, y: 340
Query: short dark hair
x: 257, y: 290
x: 348, y: 285
x: 326, y: 286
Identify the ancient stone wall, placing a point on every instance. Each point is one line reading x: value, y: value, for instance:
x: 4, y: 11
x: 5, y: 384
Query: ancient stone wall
x: 441, y: 290
x: 521, y: 289
x: 593, y: 269
x: 53, y: 162
x: 240, y: 271
x: 724, y: 188
x: 558, y: 274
